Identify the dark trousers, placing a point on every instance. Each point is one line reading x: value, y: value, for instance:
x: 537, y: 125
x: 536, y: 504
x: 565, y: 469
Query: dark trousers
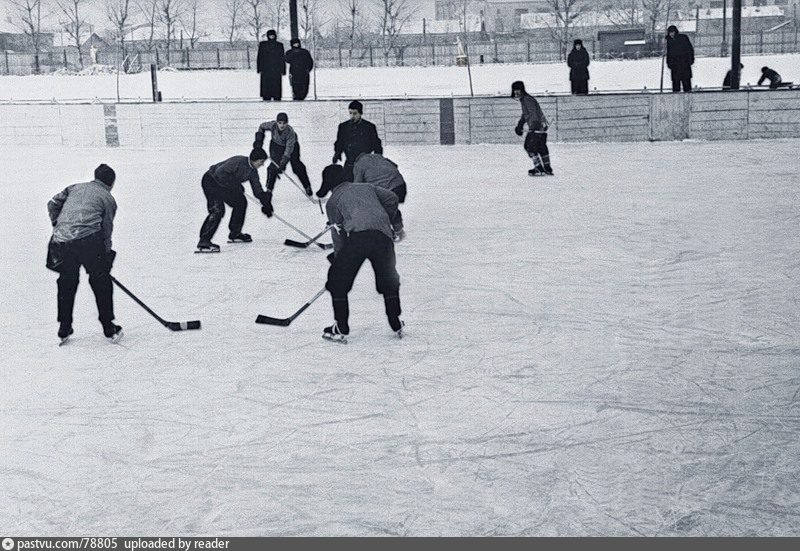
x: 271, y: 86
x: 536, y: 146
x: 580, y: 87
x: 397, y: 219
x: 299, y: 90
x: 358, y: 247
x: 276, y: 152
x: 217, y: 197
x: 681, y: 80
x: 67, y: 259
x: 348, y: 170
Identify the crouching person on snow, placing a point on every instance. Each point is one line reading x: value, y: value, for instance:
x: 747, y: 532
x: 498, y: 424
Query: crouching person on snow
x: 83, y: 221
x: 360, y: 218
x: 222, y: 184
x: 536, y: 139
x: 375, y: 169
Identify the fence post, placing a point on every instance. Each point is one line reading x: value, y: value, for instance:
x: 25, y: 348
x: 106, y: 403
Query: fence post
x: 496, y: 55
x: 8, y: 67
x: 65, y: 59
x: 528, y: 55
x: 188, y: 59
x: 248, y: 57
x: 339, y: 45
x: 371, y: 63
x: 219, y: 64
x: 158, y: 62
x: 154, y: 80
x: 433, y: 53
x: 761, y: 42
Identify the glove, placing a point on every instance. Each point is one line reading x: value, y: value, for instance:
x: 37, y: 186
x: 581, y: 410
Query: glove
x: 518, y: 130
x: 282, y: 165
x: 267, y: 209
x: 308, y: 191
x: 110, y: 256
x: 266, y: 203
x: 259, y: 140
x: 336, y: 158
x: 330, y: 257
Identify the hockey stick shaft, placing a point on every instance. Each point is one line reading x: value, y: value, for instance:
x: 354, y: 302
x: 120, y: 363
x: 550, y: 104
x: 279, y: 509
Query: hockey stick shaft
x: 173, y: 325
x: 286, y: 321
x: 292, y: 180
x: 307, y: 243
x: 256, y: 201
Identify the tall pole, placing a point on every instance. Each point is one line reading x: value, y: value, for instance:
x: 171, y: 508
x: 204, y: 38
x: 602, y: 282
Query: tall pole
x: 293, y: 18
x: 736, y: 44
x: 724, y: 46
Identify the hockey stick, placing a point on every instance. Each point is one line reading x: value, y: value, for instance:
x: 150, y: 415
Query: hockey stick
x: 303, y: 245
x: 310, y: 239
x: 292, y: 180
x: 283, y: 322
x: 172, y: 325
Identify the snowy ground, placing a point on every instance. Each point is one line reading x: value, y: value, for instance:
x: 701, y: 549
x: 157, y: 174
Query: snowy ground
x: 612, y: 351
x: 389, y: 82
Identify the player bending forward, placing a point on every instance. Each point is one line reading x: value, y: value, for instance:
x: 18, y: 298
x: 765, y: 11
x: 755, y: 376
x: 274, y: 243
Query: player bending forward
x: 536, y: 139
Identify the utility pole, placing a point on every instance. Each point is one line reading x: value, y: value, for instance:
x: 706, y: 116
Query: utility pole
x: 724, y: 45
x: 293, y: 18
x: 736, y: 46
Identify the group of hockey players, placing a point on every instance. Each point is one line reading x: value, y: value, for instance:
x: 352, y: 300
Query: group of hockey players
x: 362, y: 213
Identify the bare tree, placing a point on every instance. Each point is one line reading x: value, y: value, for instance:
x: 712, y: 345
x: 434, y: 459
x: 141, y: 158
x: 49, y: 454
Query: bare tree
x: 149, y: 12
x: 233, y: 19
x: 255, y: 17
x: 353, y: 16
x: 191, y: 22
x: 276, y: 14
x: 395, y: 14
x: 118, y: 13
x: 624, y: 13
x: 26, y: 15
x: 307, y: 17
x: 169, y: 13
x: 565, y: 13
x: 73, y: 20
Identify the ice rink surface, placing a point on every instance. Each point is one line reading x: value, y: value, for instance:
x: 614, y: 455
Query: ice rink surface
x: 611, y: 351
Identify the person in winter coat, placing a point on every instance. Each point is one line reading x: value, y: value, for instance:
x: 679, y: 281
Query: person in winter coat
x: 771, y: 75
x: 222, y: 184
x: 284, y: 149
x: 536, y: 139
x: 375, y: 169
x: 271, y: 66
x: 354, y: 137
x: 83, y: 221
x: 680, y: 58
x: 359, y: 216
x: 578, y: 62
x: 300, y: 67
x: 726, y: 82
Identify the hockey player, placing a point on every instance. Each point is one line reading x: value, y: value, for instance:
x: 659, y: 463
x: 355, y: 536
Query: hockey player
x: 772, y: 76
x: 284, y: 149
x: 377, y: 170
x: 354, y: 137
x: 222, y: 184
x: 360, y: 217
x: 536, y: 139
x: 83, y: 221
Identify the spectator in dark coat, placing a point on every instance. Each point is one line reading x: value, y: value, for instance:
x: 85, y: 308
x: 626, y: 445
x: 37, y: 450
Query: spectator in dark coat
x: 300, y: 66
x: 680, y: 58
x: 726, y: 83
x: 578, y: 62
x: 271, y: 66
x: 354, y: 137
x: 772, y: 76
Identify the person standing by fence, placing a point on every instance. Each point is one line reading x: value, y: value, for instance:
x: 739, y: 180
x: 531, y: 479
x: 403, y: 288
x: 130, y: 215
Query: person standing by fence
x: 271, y: 66
x: 300, y: 66
x: 578, y: 62
x: 680, y: 58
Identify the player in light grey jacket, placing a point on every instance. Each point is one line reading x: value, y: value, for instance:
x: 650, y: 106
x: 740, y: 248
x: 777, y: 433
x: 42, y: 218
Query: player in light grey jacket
x: 284, y: 149
x: 377, y: 170
x: 83, y: 221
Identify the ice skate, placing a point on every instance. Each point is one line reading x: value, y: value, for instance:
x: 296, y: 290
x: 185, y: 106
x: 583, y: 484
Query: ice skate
x: 206, y: 246
x: 64, y: 333
x: 239, y: 238
x: 399, y: 331
x: 112, y: 332
x: 335, y: 334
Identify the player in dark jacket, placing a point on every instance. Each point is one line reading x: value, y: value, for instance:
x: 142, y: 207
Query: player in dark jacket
x: 354, y: 137
x: 536, y: 139
x: 300, y: 67
x: 360, y: 218
x: 83, y: 221
x: 772, y: 76
x: 284, y: 149
x: 271, y: 66
x: 578, y: 62
x: 680, y: 58
x: 222, y: 184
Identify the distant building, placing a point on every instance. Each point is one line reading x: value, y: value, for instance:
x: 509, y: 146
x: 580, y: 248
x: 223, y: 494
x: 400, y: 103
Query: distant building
x: 20, y: 42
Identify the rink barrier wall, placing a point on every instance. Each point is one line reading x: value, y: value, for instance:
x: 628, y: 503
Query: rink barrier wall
x: 479, y: 120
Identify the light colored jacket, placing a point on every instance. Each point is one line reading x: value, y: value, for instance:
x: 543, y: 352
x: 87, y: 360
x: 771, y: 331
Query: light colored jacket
x: 287, y: 138
x: 81, y: 210
x: 377, y: 170
x: 360, y: 207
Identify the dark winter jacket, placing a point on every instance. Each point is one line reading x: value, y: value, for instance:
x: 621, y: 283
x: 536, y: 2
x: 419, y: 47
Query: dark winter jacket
x: 82, y: 210
x: 377, y: 170
x: 532, y: 114
x: 287, y: 138
x: 355, y: 138
x: 360, y: 207
x: 300, y: 65
x: 680, y: 56
x: 270, y: 58
x: 230, y: 174
x: 578, y: 62
x: 771, y: 75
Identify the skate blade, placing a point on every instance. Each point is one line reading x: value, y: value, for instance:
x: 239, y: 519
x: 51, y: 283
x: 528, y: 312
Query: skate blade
x: 341, y: 339
x: 206, y: 252
x: 238, y: 241
x: 63, y: 341
x: 116, y: 338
